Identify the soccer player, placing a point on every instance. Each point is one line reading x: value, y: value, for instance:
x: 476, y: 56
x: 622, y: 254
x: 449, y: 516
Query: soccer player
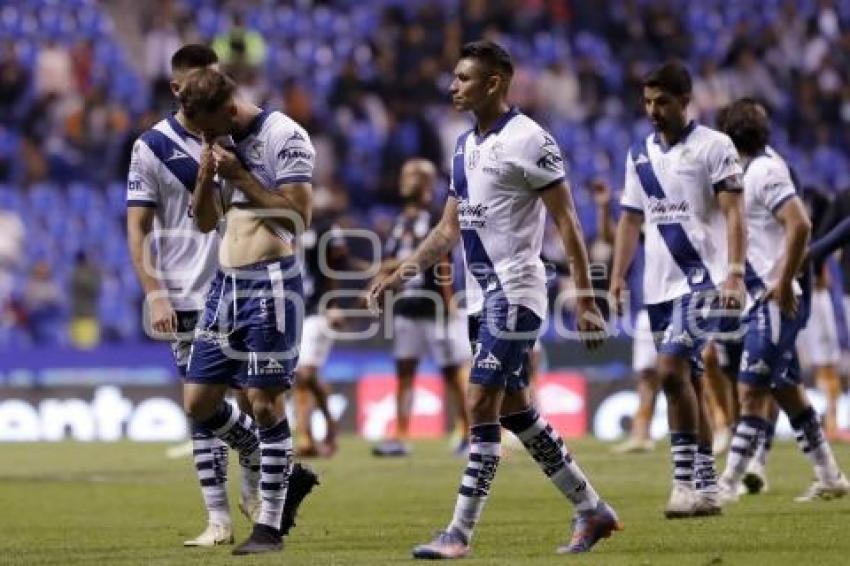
x: 251, y: 323
x: 425, y: 319
x: 683, y: 185
x: 778, y: 232
x: 162, y: 175
x: 323, y: 239
x: 506, y: 172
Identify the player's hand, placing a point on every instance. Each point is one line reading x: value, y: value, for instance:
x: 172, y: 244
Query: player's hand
x: 376, y: 294
x: 162, y: 316
x: 601, y: 193
x: 732, y: 293
x: 206, y: 169
x: 590, y: 323
x: 227, y: 165
x: 616, y: 292
x: 783, y: 294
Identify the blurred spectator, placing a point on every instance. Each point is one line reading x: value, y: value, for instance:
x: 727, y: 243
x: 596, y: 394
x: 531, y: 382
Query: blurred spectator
x: 240, y: 49
x: 11, y: 252
x: 13, y: 81
x: 161, y: 41
x: 54, y: 70
x: 82, y: 62
x: 558, y: 92
x: 84, y: 294
x: 42, y: 305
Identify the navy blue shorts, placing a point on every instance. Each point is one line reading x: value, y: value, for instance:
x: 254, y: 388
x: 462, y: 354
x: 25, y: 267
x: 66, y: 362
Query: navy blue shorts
x: 682, y: 327
x: 502, y: 336
x: 250, y: 331
x: 770, y: 354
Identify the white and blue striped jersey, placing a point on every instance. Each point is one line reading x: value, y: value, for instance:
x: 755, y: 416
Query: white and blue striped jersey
x: 497, y: 179
x: 767, y: 186
x: 163, y: 171
x: 276, y: 150
x: 674, y: 189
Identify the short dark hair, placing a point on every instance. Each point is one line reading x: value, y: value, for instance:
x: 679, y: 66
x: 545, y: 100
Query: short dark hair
x: 193, y: 56
x: 746, y: 122
x: 205, y: 91
x: 672, y: 77
x: 491, y: 54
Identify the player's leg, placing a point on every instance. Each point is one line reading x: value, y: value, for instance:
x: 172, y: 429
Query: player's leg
x: 829, y: 382
x: 485, y: 392
x: 720, y: 395
x: 705, y: 475
x: 644, y: 360
x: 316, y: 343
x: 450, y: 351
x: 303, y: 399
x: 755, y: 480
x: 249, y: 502
x: 594, y: 518
x: 830, y: 482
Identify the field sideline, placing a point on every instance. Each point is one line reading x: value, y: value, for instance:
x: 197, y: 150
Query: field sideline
x: 125, y: 503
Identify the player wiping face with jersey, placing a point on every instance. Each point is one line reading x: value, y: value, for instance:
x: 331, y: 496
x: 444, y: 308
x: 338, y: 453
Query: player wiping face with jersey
x: 260, y: 187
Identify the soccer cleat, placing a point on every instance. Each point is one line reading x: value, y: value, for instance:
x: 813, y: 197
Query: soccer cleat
x: 391, y: 448
x: 263, y: 539
x: 824, y: 491
x: 708, y: 504
x: 727, y: 491
x: 683, y: 501
x: 589, y: 527
x: 445, y: 546
x: 755, y: 480
x: 215, y: 534
x: 302, y: 480
x: 634, y: 446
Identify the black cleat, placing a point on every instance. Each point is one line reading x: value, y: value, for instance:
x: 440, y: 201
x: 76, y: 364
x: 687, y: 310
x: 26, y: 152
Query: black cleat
x: 263, y: 539
x: 302, y: 480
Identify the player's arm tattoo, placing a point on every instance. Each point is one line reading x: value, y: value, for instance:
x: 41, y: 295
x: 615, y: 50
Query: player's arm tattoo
x: 559, y: 203
x: 437, y: 244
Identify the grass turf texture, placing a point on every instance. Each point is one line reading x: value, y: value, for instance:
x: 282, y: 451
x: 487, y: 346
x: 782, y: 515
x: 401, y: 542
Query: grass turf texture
x: 125, y: 503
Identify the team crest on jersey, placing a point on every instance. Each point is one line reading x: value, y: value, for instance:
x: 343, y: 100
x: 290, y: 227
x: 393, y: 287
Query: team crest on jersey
x: 255, y: 152
x: 496, y: 151
x: 472, y: 160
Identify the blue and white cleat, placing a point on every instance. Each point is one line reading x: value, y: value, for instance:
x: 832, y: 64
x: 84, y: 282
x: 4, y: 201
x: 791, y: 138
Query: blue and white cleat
x: 589, y: 527
x: 391, y: 449
x: 445, y: 546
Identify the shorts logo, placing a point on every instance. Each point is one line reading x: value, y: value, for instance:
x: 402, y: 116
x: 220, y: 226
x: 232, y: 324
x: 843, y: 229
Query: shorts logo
x: 759, y: 367
x: 491, y: 362
x: 272, y: 366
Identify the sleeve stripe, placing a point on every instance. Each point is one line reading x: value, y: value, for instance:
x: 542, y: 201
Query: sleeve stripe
x: 781, y: 202
x: 634, y: 209
x: 293, y: 179
x: 549, y: 185
x: 142, y: 203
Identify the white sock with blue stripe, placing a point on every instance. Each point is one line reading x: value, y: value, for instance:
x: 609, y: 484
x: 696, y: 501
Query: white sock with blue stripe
x: 484, y: 456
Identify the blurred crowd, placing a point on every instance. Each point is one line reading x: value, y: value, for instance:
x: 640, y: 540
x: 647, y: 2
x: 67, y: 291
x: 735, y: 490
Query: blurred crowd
x: 369, y: 81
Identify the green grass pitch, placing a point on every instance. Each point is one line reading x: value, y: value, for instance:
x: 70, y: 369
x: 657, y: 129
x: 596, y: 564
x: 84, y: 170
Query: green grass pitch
x: 105, y: 504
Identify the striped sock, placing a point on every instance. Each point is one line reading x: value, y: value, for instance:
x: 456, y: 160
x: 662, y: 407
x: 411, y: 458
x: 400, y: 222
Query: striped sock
x: 748, y: 431
x: 765, y: 444
x: 811, y: 441
x: 547, y: 448
x: 484, y: 455
x: 236, y: 429
x: 683, y: 446
x: 704, y: 472
x: 210, y: 455
x: 276, y: 465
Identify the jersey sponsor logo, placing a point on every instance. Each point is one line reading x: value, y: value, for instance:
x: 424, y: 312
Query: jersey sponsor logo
x: 294, y: 153
x: 551, y: 161
x: 472, y: 215
x: 134, y: 185
x: 177, y: 154
x: 663, y: 210
x: 491, y: 362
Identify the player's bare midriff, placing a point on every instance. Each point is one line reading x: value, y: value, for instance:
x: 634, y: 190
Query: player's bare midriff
x: 249, y: 239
